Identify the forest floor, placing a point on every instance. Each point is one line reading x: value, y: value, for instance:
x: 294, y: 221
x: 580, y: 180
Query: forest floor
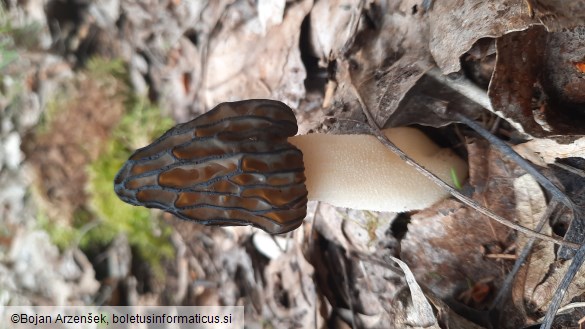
x: 85, y: 83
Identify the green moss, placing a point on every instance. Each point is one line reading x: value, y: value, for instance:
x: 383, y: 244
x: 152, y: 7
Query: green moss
x: 144, y: 232
x: 62, y: 236
x: 140, y: 125
x: 105, y: 216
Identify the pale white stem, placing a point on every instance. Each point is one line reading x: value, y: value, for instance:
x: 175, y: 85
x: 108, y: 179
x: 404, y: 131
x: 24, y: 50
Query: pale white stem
x: 357, y: 171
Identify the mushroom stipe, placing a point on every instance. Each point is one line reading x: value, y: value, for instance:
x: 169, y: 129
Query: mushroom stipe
x: 239, y: 164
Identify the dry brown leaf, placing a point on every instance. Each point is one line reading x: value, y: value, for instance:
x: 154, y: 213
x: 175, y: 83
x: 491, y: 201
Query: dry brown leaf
x: 545, y: 290
x: 563, y: 80
x: 541, y: 92
x: 392, y: 86
x: 390, y: 59
x: 543, y: 151
x: 569, y: 173
x: 530, y: 206
x: 448, y: 317
x: 330, y: 27
x: 360, y: 280
x: 419, y: 312
x: 328, y: 221
x: 362, y: 320
x: 512, y: 84
x: 364, y: 229
x: 361, y: 233
x: 291, y: 295
x: 246, y: 61
x: 455, y: 25
x: 558, y: 14
x: 441, y: 239
x: 381, y: 52
x: 446, y: 244
x: 543, y: 272
x: 566, y: 153
x: 167, y: 43
x: 425, y: 98
x: 355, y: 230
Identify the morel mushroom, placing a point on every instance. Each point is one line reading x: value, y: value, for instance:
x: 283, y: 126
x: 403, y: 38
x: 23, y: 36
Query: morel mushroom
x: 239, y: 164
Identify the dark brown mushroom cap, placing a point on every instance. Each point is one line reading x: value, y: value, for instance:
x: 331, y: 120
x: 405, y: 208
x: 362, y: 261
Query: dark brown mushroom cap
x: 230, y: 166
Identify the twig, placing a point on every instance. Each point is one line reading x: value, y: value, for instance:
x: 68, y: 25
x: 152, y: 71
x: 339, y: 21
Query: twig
x: 468, y: 89
x: 509, y: 152
x: 471, y: 91
x: 570, y: 169
x: 345, y: 272
x: 501, y: 256
x: 459, y: 196
x: 522, y: 257
x: 567, y: 308
x: 463, y: 87
x: 555, y: 303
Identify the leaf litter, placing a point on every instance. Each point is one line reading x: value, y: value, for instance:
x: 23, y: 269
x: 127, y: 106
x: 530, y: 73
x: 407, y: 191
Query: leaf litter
x: 440, y: 267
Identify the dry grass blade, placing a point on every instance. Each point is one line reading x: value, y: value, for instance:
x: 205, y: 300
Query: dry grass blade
x: 558, y: 195
x: 463, y: 87
x: 459, y: 196
x: 508, y: 151
x: 562, y: 288
x: 522, y: 258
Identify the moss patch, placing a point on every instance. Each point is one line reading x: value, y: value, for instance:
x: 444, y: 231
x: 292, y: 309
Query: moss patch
x: 146, y: 234
x: 85, y: 137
